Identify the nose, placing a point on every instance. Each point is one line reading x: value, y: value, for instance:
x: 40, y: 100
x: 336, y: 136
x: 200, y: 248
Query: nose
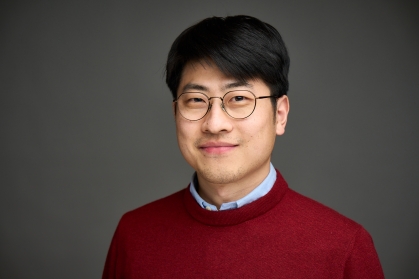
x: 217, y: 120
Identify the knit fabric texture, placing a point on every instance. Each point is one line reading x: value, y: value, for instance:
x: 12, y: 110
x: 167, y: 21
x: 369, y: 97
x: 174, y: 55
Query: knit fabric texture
x: 281, y: 235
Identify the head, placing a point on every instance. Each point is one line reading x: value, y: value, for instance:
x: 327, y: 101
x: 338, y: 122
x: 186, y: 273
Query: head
x: 242, y: 47
x: 216, y: 56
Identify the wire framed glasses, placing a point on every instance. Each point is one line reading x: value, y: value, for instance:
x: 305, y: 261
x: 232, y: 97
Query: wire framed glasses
x: 238, y: 104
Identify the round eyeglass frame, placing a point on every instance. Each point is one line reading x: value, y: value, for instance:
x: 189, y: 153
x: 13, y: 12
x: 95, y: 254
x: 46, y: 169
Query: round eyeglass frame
x: 222, y: 103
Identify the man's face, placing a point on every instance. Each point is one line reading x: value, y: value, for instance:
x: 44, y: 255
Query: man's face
x: 221, y: 149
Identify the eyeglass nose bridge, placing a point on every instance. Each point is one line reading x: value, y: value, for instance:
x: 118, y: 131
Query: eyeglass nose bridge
x: 210, y: 104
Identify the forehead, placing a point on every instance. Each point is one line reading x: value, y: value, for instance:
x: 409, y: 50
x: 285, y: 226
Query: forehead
x: 201, y: 71
x: 207, y: 77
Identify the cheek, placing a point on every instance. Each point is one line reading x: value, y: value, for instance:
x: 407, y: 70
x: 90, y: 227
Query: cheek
x: 261, y: 135
x: 185, y: 136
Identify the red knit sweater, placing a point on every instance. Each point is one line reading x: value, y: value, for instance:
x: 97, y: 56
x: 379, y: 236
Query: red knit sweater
x: 281, y: 235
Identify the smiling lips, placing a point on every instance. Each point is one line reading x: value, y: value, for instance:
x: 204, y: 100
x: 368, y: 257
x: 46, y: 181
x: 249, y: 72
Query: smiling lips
x: 217, y: 147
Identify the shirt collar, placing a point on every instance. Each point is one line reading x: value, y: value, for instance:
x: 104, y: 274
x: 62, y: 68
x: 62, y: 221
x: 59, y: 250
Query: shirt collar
x: 261, y: 190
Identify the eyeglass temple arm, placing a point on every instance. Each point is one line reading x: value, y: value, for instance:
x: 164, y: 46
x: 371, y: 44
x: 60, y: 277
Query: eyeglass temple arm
x: 264, y: 97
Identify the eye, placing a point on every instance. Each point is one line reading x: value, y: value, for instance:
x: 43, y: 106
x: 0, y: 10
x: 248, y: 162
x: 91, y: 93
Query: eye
x: 196, y: 100
x: 193, y: 100
x: 238, y: 98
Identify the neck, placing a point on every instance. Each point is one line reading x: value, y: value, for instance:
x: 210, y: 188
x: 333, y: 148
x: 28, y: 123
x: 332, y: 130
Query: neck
x: 217, y: 194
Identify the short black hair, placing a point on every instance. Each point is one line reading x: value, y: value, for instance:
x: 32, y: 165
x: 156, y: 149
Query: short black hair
x: 242, y: 47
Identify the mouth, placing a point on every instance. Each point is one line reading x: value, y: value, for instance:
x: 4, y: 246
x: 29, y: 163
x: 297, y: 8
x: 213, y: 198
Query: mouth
x: 217, y: 147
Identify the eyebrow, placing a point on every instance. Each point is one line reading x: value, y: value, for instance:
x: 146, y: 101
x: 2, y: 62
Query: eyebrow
x: 237, y: 84
x: 195, y: 86
x: 199, y: 87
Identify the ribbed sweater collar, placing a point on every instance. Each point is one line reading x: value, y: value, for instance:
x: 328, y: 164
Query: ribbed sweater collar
x: 239, y: 215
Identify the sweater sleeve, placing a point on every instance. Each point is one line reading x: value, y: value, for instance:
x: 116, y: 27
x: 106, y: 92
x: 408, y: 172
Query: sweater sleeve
x: 362, y: 261
x: 113, y: 261
x: 109, y: 271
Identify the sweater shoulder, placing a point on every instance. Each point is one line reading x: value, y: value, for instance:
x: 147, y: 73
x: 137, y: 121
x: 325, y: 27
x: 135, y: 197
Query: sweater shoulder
x: 319, y: 226
x: 318, y: 215
x: 161, y: 209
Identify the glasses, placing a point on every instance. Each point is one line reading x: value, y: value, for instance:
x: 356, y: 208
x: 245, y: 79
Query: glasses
x: 238, y: 104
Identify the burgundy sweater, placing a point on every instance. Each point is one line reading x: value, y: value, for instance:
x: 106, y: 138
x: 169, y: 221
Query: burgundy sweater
x: 281, y: 235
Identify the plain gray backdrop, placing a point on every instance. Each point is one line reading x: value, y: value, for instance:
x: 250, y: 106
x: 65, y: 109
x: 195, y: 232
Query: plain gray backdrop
x: 87, y: 131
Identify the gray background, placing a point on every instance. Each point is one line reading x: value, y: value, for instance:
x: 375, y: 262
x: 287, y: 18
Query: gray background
x: 87, y: 131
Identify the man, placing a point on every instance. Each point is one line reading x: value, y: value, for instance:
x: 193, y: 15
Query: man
x: 237, y: 218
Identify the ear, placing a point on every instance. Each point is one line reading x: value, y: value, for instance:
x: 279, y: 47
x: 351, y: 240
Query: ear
x: 174, y: 109
x: 282, y: 109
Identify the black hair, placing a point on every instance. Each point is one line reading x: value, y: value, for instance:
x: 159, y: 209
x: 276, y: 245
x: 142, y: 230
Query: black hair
x: 242, y: 47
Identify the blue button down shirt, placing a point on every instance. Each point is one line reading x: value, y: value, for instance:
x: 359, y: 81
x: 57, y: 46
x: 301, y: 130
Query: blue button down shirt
x: 257, y: 193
